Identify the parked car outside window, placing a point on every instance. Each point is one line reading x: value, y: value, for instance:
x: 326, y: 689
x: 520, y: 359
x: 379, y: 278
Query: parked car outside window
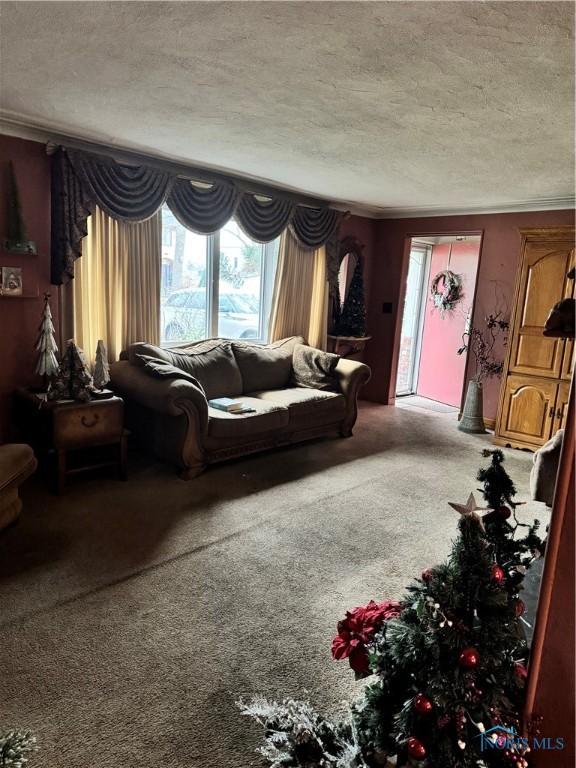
x: 184, y: 316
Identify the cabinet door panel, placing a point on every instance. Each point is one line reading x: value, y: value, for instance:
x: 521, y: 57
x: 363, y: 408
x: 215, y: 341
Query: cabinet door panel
x: 537, y: 354
x: 568, y: 361
x: 568, y: 357
x: 528, y: 408
x: 561, y: 407
x: 542, y: 284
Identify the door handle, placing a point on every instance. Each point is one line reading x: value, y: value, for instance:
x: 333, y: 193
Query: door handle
x: 87, y: 423
x: 551, y: 412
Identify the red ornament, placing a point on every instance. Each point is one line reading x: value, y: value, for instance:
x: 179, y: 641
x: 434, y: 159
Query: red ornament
x: 444, y: 721
x: 497, y: 574
x: 519, y: 607
x: 520, y: 671
x: 427, y: 575
x: 503, y: 512
x: 422, y: 704
x: 469, y: 658
x: 416, y: 749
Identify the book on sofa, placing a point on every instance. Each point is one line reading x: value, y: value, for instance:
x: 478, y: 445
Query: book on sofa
x: 229, y: 405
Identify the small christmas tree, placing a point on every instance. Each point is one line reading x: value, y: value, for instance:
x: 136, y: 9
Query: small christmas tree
x: 448, y: 660
x: 74, y: 381
x: 352, y: 318
x: 47, y: 365
x: 101, y: 367
x: 514, y: 552
x: 15, y: 748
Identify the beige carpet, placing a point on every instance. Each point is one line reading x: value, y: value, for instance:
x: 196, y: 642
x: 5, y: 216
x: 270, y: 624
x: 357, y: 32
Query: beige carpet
x: 133, y: 614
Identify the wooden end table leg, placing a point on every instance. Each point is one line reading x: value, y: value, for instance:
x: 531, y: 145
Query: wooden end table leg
x: 123, y: 457
x: 61, y: 471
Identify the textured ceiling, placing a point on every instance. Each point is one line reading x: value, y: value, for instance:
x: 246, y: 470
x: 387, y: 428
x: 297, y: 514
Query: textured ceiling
x: 392, y: 105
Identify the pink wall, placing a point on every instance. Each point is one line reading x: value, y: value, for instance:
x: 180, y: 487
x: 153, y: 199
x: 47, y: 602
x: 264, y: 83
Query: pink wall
x: 20, y: 317
x: 442, y: 370
x: 498, y: 265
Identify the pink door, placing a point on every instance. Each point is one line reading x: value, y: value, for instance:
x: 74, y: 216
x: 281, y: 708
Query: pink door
x: 441, y: 371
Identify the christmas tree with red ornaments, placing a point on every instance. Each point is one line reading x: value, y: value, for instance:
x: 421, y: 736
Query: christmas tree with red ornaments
x: 447, y: 662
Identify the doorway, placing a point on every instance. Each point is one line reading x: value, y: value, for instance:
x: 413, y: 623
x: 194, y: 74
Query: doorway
x: 440, y: 289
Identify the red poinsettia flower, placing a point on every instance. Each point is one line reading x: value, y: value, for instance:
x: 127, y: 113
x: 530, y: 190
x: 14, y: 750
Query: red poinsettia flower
x: 358, y: 661
x: 357, y: 630
x: 343, y: 644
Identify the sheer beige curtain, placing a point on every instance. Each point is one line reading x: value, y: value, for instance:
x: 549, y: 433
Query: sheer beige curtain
x: 300, y: 300
x: 116, y: 287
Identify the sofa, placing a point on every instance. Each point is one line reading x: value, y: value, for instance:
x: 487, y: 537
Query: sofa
x: 17, y: 463
x: 166, y: 393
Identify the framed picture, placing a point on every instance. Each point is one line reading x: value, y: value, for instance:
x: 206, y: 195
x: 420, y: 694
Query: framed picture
x: 11, y: 281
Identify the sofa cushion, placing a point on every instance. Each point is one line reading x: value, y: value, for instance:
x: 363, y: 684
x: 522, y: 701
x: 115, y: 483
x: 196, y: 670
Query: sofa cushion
x: 268, y: 417
x: 306, y: 405
x: 160, y: 369
x: 212, y: 362
x: 141, y: 349
x: 265, y: 366
x: 314, y: 368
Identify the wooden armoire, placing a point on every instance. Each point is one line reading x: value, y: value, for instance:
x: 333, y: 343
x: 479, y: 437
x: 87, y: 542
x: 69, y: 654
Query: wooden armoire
x: 537, y: 372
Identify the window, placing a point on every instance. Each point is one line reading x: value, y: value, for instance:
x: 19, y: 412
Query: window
x: 217, y: 285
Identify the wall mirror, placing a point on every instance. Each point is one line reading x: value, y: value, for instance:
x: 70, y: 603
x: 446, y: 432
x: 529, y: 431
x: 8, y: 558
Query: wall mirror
x: 342, y: 261
x: 345, y: 272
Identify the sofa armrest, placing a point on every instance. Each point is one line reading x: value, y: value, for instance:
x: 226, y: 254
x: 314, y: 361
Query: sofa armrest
x: 351, y: 376
x: 170, y: 396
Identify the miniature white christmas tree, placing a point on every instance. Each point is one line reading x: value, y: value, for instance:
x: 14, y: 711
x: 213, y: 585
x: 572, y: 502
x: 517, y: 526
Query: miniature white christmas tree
x: 47, y: 364
x: 101, y: 368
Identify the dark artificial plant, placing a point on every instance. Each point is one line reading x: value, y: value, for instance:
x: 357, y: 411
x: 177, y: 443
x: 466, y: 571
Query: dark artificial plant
x: 481, y: 343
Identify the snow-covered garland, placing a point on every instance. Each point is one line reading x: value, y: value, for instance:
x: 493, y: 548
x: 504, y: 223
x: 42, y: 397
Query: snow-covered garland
x: 15, y: 748
x: 446, y: 291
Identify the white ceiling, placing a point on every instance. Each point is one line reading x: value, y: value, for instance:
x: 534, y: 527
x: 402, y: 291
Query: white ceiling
x: 394, y: 106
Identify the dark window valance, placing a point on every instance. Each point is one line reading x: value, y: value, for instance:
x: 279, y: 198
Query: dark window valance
x: 263, y: 220
x: 82, y: 180
x: 203, y: 210
x: 313, y: 226
x: 126, y: 192
x: 71, y: 206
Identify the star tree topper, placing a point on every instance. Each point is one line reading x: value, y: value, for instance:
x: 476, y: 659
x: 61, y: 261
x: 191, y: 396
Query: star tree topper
x: 469, y: 510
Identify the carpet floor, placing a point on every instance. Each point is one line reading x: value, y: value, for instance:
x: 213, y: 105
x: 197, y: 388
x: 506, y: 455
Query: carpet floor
x: 132, y: 615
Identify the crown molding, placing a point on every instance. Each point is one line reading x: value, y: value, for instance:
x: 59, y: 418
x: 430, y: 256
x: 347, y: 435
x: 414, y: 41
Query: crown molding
x: 53, y: 136
x: 525, y: 206
x: 13, y: 124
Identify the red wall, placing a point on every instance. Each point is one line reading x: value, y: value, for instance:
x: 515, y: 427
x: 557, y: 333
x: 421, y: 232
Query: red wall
x: 20, y: 317
x: 442, y: 370
x: 385, y: 266
x: 498, y: 262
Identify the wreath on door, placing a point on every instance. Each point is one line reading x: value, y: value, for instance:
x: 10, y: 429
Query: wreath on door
x: 446, y: 291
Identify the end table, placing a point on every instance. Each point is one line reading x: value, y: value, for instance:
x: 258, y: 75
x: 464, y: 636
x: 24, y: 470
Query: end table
x: 65, y: 426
